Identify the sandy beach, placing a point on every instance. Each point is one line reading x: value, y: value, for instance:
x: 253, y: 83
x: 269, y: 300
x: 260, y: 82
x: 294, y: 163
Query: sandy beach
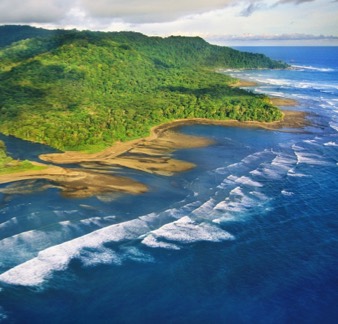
x: 150, y: 154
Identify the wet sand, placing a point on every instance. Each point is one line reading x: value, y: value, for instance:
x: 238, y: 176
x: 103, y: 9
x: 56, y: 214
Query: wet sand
x: 151, y: 154
x: 283, y: 102
x: 244, y: 83
x: 74, y: 182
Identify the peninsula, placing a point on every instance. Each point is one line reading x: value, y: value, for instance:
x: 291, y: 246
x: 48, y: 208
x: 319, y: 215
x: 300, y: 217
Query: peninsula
x: 83, y: 90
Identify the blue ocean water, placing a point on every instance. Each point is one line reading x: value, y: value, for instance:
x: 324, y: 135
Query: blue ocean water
x: 249, y: 236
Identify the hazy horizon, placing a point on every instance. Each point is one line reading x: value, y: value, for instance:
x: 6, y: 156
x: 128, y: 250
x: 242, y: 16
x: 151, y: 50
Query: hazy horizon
x: 223, y: 22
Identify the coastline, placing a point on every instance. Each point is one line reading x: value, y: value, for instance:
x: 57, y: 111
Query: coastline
x: 150, y: 154
x: 244, y: 83
x: 74, y: 183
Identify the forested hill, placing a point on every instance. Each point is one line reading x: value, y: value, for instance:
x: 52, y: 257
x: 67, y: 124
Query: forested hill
x: 85, y: 90
x: 14, y: 33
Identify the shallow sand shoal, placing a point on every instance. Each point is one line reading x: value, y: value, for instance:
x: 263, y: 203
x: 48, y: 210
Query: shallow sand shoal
x: 244, y: 83
x: 75, y: 182
x: 150, y: 154
x: 283, y: 101
x: 163, y: 139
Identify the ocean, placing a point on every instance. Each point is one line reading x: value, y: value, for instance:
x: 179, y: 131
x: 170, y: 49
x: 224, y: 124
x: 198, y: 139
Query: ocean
x: 248, y: 236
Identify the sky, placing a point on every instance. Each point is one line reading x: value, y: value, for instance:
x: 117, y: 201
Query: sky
x: 223, y: 22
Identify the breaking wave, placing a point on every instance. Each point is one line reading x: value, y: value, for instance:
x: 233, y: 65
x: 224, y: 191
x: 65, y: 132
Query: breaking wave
x: 184, y: 231
x: 312, y: 68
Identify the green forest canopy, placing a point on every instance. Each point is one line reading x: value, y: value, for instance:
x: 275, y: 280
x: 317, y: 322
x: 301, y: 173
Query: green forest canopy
x: 85, y: 90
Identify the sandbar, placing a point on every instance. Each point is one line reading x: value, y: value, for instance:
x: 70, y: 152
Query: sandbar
x: 151, y: 154
x: 78, y: 183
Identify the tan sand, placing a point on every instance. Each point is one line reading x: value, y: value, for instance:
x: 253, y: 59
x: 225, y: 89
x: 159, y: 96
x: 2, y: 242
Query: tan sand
x: 283, y: 102
x: 150, y: 154
x: 78, y: 183
x: 244, y: 83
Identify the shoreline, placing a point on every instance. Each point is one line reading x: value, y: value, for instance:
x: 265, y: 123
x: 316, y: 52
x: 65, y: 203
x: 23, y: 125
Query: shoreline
x: 76, y: 183
x: 244, y: 83
x: 151, y: 154
x: 164, y: 139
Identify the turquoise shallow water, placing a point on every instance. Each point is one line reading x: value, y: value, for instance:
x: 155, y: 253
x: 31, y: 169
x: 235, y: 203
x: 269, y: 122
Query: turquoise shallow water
x: 250, y: 235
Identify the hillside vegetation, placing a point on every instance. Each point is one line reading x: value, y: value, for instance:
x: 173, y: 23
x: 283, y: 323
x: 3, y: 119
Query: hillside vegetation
x: 85, y: 90
x: 9, y: 165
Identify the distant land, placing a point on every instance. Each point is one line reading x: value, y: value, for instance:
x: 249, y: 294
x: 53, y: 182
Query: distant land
x: 84, y: 90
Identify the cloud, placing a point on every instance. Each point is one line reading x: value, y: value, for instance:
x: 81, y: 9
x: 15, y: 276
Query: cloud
x: 251, y: 8
x: 28, y: 11
x: 294, y: 1
x: 134, y: 11
x: 130, y: 11
x: 277, y: 37
x: 150, y: 10
x: 255, y: 5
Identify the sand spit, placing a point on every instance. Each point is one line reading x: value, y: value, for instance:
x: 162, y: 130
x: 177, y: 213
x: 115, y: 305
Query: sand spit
x: 150, y: 154
x: 77, y: 183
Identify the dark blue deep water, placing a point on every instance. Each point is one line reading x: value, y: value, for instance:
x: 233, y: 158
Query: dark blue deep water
x: 249, y: 236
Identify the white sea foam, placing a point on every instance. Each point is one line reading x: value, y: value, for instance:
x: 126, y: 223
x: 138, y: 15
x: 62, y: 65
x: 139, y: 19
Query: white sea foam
x: 135, y: 254
x: 92, y: 221
x: 23, y: 241
x: 60, y: 213
x: 249, y: 160
x: 248, y: 182
x: 287, y: 193
x: 222, y: 170
x: 312, y: 142
x: 331, y: 144
x: 204, y: 209
x: 312, y: 68
x: 89, y: 248
x: 287, y: 83
x: 334, y: 125
x: 104, y: 255
x: 237, y: 192
x: 271, y: 172
x: 296, y: 147
x: 277, y: 82
x: 311, y: 158
x: 237, y: 202
x: 257, y: 172
x: 229, y: 206
x: 293, y: 173
x: 99, y: 256
x: 225, y: 218
x: 184, y: 231
x: 279, y: 166
x: 57, y: 258
x: 255, y: 156
x: 11, y: 222
x: 230, y: 166
x: 29, y: 242
x: 152, y: 241
x: 259, y: 195
x: 232, y: 178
